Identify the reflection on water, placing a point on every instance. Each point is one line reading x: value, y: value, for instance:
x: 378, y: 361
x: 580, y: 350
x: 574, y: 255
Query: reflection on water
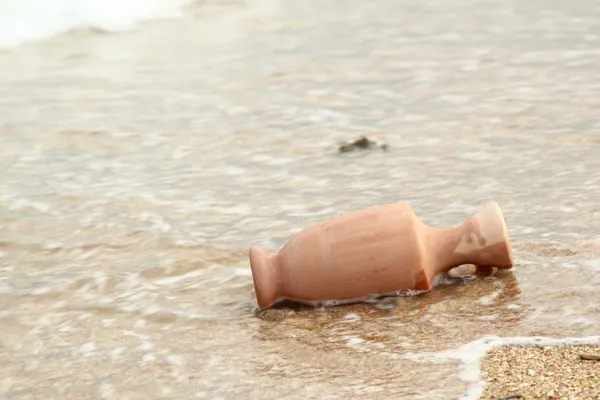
x: 137, y: 169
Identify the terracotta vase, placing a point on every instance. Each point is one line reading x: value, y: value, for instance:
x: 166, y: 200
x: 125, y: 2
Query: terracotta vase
x: 379, y: 250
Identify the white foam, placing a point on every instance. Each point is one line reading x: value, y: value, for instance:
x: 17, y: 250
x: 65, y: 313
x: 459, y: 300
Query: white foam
x: 372, y: 299
x: 116, y: 352
x: 107, y: 322
x: 242, y: 271
x: 176, y: 360
x: 107, y: 391
x: 148, y: 358
x: 593, y: 265
x: 26, y: 20
x: 165, y: 390
x: 353, y: 341
x: 168, y: 281
x: 488, y: 299
x: 145, y: 344
x: 87, y: 348
x: 471, y: 353
x: 352, y: 317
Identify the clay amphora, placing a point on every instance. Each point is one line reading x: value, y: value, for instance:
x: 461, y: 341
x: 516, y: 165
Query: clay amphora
x: 379, y: 250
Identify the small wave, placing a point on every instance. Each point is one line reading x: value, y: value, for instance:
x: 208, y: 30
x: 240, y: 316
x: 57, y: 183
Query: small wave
x: 27, y: 20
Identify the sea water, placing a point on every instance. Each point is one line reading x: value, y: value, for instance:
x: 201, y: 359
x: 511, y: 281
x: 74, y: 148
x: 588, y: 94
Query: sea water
x: 141, y: 157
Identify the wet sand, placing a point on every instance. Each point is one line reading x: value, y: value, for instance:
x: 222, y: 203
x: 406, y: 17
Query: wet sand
x: 138, y: 168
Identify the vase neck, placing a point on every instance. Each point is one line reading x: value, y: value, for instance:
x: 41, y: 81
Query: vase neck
x: 442, y: 244
x: 481, y: 240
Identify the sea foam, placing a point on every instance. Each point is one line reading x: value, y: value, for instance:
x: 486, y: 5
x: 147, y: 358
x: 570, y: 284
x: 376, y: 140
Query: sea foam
x: 28, y: 20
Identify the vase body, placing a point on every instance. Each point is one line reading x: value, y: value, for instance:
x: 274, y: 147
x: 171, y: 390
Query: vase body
x: 375, y: 251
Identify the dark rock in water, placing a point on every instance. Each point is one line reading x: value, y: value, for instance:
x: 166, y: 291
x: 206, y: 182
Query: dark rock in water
x: 361, y: 143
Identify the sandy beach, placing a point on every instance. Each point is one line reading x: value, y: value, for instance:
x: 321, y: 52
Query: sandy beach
x: 542, y: 372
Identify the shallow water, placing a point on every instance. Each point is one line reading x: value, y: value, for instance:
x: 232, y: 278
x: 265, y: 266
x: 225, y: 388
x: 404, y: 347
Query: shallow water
x: 137, y: 168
